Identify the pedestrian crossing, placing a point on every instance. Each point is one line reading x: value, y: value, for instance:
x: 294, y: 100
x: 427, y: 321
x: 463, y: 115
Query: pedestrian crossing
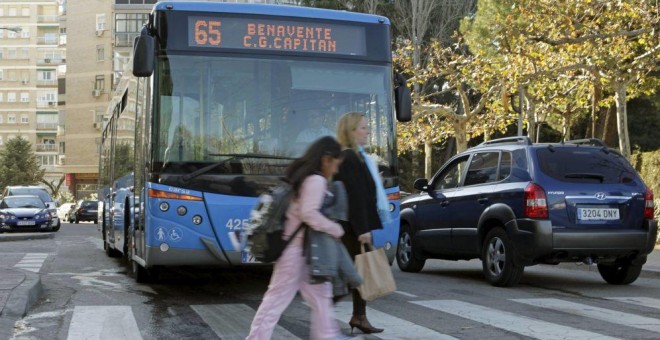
x: 32, y: 262
x: 537, y: 318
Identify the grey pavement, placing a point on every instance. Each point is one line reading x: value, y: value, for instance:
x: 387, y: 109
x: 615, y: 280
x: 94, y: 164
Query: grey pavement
x: 19, y: 289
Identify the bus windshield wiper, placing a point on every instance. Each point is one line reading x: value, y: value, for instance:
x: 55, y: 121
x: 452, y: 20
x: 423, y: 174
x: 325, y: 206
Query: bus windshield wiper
x: 232, y: 156
x: 585, y: 175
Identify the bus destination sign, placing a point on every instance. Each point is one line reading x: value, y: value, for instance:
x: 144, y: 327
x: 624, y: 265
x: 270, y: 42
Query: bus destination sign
x: 276, y: 35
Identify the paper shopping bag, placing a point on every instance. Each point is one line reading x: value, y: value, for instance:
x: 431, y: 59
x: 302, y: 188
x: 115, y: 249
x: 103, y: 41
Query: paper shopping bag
x: 375, y: 270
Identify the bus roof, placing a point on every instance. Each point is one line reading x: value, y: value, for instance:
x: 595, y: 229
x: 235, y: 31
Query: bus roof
x: 276, y: 10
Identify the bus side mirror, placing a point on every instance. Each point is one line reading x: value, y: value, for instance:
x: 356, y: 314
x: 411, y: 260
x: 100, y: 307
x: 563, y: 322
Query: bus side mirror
x: 143, y: 54
x: 402, y: 99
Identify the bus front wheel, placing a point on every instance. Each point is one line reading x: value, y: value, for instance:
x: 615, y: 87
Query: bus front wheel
x: 140, y: 274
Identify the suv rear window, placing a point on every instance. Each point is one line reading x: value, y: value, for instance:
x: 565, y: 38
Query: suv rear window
x: 585, y: 165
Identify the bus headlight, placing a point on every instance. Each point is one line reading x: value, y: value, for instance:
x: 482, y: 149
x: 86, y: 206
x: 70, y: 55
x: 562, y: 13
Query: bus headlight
x: 197, y: 219
x: 181, y: 210
x: 164, y: 206
x: 164, y: 247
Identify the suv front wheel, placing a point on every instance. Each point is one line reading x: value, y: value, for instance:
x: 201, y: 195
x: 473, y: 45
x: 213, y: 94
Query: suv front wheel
x: 497, y: 256
x: 405, y: 257
x: 620, y: 273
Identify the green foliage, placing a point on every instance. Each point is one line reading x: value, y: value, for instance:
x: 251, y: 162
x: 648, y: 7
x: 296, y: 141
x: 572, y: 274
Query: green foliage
x: 644, y: 120
x: 65, y: 197
x: 648, y: 166
x: 18, y: 164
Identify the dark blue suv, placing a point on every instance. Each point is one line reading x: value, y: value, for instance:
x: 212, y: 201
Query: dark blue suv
x: 513, y: 204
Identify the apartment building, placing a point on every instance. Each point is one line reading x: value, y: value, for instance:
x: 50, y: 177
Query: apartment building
x: 30, y: 62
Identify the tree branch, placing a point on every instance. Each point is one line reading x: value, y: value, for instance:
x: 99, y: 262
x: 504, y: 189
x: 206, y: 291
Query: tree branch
x: 589, y: 37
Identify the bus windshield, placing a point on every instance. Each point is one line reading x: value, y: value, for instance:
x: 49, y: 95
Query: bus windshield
x: 211, y: 109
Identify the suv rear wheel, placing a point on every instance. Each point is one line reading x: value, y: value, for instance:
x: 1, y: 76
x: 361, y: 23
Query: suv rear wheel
x: 405, y: 257
x: 620, y: 273
x: 497, y: 256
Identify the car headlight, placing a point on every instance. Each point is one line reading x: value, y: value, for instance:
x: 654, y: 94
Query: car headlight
x: 3, y: 216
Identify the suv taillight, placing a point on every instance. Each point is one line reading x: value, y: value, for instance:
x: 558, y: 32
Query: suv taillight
x: 648, y: 204
x: 536, y: 205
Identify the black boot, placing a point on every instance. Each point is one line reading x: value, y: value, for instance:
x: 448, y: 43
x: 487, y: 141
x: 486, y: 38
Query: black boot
x: 360, y: 322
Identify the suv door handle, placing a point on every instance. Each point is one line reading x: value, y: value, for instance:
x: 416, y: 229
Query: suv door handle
x: 482, y: 200
x: 444, y: 203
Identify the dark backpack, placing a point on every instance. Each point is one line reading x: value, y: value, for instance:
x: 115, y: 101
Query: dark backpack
x: 266, y: 226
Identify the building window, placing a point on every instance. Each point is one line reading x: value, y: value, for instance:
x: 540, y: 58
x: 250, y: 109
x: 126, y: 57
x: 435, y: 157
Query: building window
x: 2, y: 118
x: 45, y: 75
x: 2, y: 12
x: 11, y: 97
x: 1, y: 140
x: 24, y: 119
x: 0, y: 74
x: 1, y: 97
x: 25, y: 33
x: 100, y: 83
x: 13, y: 11
x: 25, y: 97
x: 25, y: 11
x: 128, y: 26
x: 11, y: 118
x: 11, y: 34
x: 100, y: 22
x: 100, y: 52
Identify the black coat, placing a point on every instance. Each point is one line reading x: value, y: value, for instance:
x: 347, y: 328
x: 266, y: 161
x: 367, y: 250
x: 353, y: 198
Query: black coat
x: 362, y: 206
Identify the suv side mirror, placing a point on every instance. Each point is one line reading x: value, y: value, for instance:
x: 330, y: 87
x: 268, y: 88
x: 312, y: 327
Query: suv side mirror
x: 421, y: 184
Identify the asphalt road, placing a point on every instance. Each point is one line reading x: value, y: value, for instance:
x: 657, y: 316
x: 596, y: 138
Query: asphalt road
x: 88, y: 295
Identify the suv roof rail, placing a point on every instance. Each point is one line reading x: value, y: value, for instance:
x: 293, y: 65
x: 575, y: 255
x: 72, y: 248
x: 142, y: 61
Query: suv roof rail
x: 508, y: 140
x: 587, y: 141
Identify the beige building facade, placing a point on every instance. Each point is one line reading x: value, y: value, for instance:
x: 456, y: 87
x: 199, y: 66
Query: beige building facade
x: 30, y: 63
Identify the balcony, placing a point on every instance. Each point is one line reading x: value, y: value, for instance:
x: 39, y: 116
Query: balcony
x: 125, y: 39
x: 43, y: 105
x: 43, y: 82
x: 54, y: 60
x: 47, y: 126
x: 50, y: 40
x: 48, y: 19
x: 46, y: 147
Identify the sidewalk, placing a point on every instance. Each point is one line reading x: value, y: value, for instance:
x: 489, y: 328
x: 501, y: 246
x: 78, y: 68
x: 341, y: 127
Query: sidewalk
x: 19, y: 289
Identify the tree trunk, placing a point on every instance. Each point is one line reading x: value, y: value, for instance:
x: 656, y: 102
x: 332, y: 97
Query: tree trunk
x: 461, y: 139
x: 428, y: 158
x: 531, y: 119
x: 620, y: 88
x: 414, y: 168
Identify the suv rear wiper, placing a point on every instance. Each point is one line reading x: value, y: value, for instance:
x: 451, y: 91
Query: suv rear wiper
x: 585, y: 175
x: 232, y: 156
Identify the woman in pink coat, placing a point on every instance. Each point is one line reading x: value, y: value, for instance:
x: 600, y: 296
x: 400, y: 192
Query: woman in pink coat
x: 309, y: 178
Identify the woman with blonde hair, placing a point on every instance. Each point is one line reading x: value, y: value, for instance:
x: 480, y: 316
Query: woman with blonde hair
x: 367, y: 203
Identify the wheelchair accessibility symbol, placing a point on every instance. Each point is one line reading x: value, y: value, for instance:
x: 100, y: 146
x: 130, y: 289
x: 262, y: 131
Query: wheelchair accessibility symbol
x: 175, y: 234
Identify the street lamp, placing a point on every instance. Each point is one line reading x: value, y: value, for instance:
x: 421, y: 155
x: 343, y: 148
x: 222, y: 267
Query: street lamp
x: 14, y: 29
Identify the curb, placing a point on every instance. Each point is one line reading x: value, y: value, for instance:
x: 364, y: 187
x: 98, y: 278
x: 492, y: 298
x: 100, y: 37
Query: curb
x: 19, y: 302
x: 25, y: 236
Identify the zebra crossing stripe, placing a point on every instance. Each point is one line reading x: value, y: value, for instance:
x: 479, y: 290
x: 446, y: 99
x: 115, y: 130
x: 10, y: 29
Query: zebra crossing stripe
x: 395, y: 328
x: 232, y: 321
x: 103, y: 322
x: 32, y: 262
x: 509, y: 321
x: 641, y: 301
x: 603, y: 314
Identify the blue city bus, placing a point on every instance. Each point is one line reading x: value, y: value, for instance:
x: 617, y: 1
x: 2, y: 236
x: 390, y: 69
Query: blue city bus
x: 212, y: 112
